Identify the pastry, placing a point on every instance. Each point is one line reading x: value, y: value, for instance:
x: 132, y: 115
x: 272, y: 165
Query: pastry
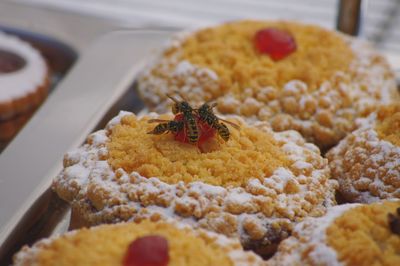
x: 24, y: 77
x: 367, y: 162
x: 255, y: 185
x: 137, y: 244
x: 10, y: 127
x: 293, y: 75
x: 349, y: 234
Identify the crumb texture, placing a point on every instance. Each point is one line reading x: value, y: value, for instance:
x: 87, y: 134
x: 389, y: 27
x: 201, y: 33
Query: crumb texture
x: 350, y: 234
x: 367, y: 162
x: 233, y: 163
x: 259, y: 205
x: 388, y: 126
x: 318, y: 90
x: 238, y: 65
x: 107, y: 245
x: 362, y: 236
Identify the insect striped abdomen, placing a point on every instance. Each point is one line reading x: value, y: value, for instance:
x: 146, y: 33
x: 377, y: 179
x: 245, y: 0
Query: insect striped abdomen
x: 192, y: 129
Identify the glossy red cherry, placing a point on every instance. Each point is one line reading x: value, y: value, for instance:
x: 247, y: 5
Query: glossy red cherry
x: 147, y: 251
x: 206, y: 132
x: 181, y: 136
x: 275, y: 42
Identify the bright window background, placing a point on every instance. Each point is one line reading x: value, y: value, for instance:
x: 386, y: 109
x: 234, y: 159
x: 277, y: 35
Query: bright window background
x: 381, y: 18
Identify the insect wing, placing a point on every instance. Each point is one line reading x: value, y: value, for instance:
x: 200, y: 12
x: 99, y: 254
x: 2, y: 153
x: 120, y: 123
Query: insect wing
x: 158, y: 121
x: 230, y: 123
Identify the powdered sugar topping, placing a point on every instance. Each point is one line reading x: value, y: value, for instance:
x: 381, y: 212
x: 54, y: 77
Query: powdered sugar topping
x: 282, y: 198
x: 308, y: 243
x: 24, y: 81
x: 323, y: 115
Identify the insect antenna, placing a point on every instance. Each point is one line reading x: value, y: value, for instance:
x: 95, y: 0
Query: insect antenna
x: 209, y: 103
x: 172, y: 98
x: 181, y: 95
x: 213, y: 104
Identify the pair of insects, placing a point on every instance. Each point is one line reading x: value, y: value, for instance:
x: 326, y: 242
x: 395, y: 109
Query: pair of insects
x: 193, y: 125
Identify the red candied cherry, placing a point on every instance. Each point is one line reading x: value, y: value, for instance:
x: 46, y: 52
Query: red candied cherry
x: 147, y: 251
x: 181, y: 136
x: 275, y: 42
x: 206, y: 132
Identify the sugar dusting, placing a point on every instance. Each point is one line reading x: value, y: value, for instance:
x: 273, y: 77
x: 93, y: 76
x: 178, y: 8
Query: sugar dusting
x: 323, y: 115
x: 239, y: 257
x: 307, y: 245
x: 284, y: 197
x: 29, y: 78
x: 367, y: 167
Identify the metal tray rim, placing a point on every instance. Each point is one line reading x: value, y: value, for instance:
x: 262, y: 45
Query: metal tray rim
x: 29, y: 163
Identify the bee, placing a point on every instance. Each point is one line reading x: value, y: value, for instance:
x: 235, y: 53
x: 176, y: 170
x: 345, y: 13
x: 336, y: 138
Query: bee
x: 206, y: 114
x: 189, y: 119
x: 166, y: 126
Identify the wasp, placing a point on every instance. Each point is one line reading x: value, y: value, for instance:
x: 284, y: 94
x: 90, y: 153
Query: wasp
x: 394, y: 221
x: 189, y: 119
x: 206, y: 114
x: 166, y: 126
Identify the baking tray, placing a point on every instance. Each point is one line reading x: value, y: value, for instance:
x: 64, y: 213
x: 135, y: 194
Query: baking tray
x: 96, y: 88
x: 59, y: 56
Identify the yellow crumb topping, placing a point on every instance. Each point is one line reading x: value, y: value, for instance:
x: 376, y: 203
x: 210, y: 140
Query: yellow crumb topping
x: 107, y: 245
x: 229, y: 51
x: 362, y: 236
x: 249, y: 153
x: 388, y: 126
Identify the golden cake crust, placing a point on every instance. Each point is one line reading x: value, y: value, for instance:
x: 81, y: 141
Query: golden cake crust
x: 260, y: 211
x: 107, y: 245
x: 318, y: 90
x: 232, y: 163
x: 366, y: 230
x: 388, y: 123
x: 349, y: 234
x: 25, y: 104
x: 366, y: 162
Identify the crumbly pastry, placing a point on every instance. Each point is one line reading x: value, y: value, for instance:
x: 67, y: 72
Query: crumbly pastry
x: 367, y: 162
x: 10, y: 127
x: 318, y: 90
x: 255, y: 186
x: 108, y: 245
x: 24, y: 77
x: 349, y: 234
